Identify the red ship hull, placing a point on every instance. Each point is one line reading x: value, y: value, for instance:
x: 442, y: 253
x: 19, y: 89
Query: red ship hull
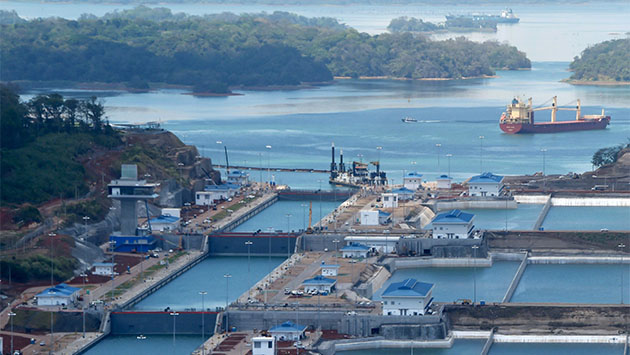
x: 555, y: 127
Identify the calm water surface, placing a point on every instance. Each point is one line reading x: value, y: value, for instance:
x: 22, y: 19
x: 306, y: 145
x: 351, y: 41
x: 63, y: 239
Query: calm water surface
x: 555, y: 349
x: 452, y: 283
x: 573, y: 283
x: 274, y: 216
x: 183, y: 292
x: 521, y: 218
x: 587, y: 218
x: 153, y: 344
x: 460, y: 347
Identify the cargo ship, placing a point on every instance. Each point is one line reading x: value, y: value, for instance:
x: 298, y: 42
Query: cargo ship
x: 507, y: 16
x: 519, y: 118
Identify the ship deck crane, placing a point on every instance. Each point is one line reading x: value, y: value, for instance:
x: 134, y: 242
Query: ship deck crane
x: 554, y: 109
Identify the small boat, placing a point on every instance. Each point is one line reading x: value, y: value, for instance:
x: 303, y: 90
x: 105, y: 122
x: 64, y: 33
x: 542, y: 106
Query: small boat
x: 409, y: 120
x: 141, y: 337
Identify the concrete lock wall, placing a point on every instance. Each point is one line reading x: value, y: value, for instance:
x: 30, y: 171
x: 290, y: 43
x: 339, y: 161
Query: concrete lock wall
x: 188, y: 241
x: 443, y: 248
x: 235, y: 245
x: 319, y: 242
x: 129, y: 323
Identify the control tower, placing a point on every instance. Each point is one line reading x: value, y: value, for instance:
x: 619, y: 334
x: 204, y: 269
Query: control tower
x: 129, y: 190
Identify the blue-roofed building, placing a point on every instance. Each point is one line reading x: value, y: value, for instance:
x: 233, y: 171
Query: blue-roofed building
x: 132, y: 244
x: 453, y: 224
x: 486, y: 184
x: 59, y: 295
x: 238, y: 177
x: 329, y: 269
x: 319, y: 283
x: 404, y: 194
x: 164, y: 223
x: 355, y: 250
x: 409, y: 297
x: 213, y: 193
x: 412, y: 181
x: 288, y: 331
x: 444, y: 182
x: 384, y: 217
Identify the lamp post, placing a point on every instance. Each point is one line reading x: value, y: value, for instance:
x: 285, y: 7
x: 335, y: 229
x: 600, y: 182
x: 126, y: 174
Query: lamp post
x: 288, y: 215
x: 303, y: 205
x: 475, y: 247
x: 336, y: 242
x: 260, y: 170
x: 249, y: 245
x: 621, y: 246
x: 83, y: 276
x: 481, y: 138
x: 11, y: 315
x: 52, y: 283
x: 544, y: 151
x: 111, y: 248
x: 448, y: 156
x: 203, y: 325
x: 438, y: 146
x: 85, y: 219
x: 320, y: 203
x: 174, y: 315
x: 227, y: 292
x: 268, y: 147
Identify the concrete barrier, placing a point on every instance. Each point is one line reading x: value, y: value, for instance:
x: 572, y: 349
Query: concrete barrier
x: 591, y: 201
x: 242, y: 215
x: 376, y: 343
x: 413, y: 263
x: 531, y: 199
x: 517, y: 278
x: 375, y: 282
x: 579, y: 260
x: 486, y: 347
x: 476, y: 204
x: 543, y: 214
x: 575, y: 339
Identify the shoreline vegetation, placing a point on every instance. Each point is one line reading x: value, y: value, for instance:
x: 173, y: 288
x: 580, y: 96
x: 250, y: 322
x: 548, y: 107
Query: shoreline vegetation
x: 603, y: 64
x: 144, y: 48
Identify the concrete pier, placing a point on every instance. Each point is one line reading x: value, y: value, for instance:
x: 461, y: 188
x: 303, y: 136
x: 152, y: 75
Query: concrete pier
x: 240, y: 216
x: 517, y: 278
x: 543, y: 214
x: 486, y: 347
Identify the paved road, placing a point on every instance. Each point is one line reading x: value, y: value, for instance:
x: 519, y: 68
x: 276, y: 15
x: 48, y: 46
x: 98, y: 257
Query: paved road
x: 297, y: 281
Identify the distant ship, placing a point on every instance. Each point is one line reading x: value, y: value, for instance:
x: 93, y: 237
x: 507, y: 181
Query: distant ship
x: 519, y: 118
x: 409, y: 120
x: 506, y: 16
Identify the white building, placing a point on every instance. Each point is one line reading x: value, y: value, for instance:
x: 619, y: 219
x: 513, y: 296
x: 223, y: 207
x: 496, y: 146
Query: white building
x: 105, y: 269
x: 486, y: 184
x: 238, y: 177
x: 60, y: 295
x: 263, y: 345
x: 369, y: 218
x: 412, y: 181
x: 453, y: 224
x: 404, y: 194
x: 381, y: 244
x: 173, y: 212
x: 288, y: 331
x: 444, y: 182
x: 355, y: 250
x: 384, y: 217
x: 329, y: 269
x: 319, y: 283
x: 164, y: 223
x: 407, y: 298
x: 390, y: 200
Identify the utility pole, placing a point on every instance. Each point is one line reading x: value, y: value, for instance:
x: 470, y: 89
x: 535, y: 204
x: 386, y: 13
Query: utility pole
x: 203, y: 330
x: 83, y: 276
x: 227, y: 292
x: 249, y: 279
x: 475, y: 247
x: 52, y: 284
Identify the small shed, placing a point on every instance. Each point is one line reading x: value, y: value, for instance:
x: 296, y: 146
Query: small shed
x: 355, y: 250
x: 59, y: 295
x: 412, y: 180
x: 369, y: 218
x: 319, y: 283
x: 105, y: 269
x: 288, y: 331
x: 404, y: 194
x: 329, y: 269
x: 390, y: 200
x: 444, y: 182
x: 263, y: 345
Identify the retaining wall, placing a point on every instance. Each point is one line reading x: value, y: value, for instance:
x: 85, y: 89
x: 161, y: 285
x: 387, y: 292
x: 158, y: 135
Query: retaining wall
x: 134, y: 323
x: 264, y: 244
x: 367, y: 289
x: 591, y: 202
x: 476, y: 204
x: 579, y: 260
x: 516, y: 279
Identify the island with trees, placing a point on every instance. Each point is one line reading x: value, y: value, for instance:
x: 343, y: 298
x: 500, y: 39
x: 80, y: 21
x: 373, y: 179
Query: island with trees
x: 456, y: 24
x: 606, y: 63
x: 143, y: 48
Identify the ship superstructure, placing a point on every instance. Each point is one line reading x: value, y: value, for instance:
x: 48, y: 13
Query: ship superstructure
x: 519, y: 118
x: 356, y: 176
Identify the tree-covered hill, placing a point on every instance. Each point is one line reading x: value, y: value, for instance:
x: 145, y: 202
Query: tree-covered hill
x: 215, y: 52
x: 606, y: 61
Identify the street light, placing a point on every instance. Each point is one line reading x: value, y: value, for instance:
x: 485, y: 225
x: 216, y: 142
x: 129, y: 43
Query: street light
x: 227, y: 292
x: 449, y: 155
x: 379, y: 148
x: 11, y: 315
x: 83, y: 276
x: 544, y: 175
x: 475, y: 247
x: 481, y: 138
x: 439, y: 149
x: 621, y: 246
x: 174, y: 314
x: 336, y: 242
x: 303, y: 205
x: 288, y: 215
x: 320, y: 203
x: 203, y: 327
x: 249, y: 244
x: 52, y: 284
x: 268, y: 163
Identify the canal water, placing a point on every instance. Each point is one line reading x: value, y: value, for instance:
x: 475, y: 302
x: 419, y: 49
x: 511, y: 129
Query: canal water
x: 556, y: 349
x: 275, y: 218
x: 460, y: 347
x: 574, y: 283
x: 183, y: 292
x: 153, y: 344
x: 521, y: 218
x: 453, y: 283
x: 588, y: 218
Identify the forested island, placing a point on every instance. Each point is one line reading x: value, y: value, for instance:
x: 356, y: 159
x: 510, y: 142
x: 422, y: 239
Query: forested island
x: 604, y: 63
x: 458, y: 24
x: 143, y: 47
